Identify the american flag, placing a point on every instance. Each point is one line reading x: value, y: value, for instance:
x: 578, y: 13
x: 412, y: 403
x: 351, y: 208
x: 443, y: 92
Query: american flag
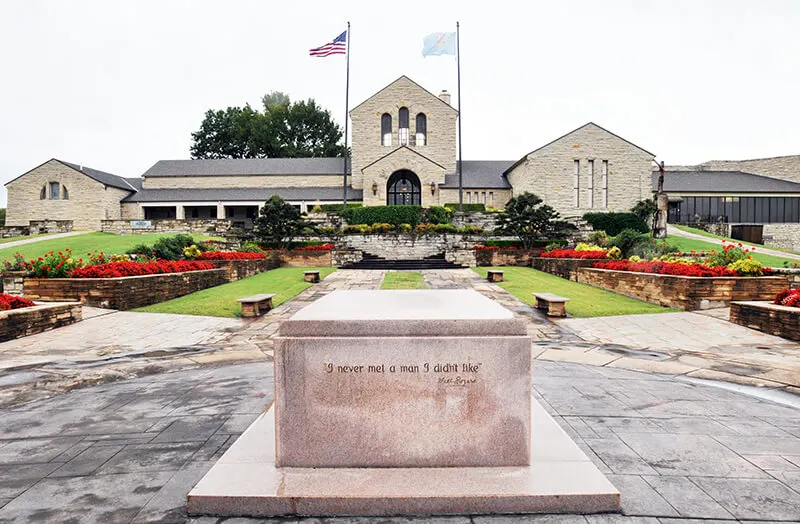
x: 337, y: 47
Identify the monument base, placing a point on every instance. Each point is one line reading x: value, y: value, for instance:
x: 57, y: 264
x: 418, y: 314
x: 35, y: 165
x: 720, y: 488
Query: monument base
x: 561, y: 479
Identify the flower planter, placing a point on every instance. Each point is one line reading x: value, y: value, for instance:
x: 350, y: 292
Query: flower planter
x: 506, y: 257
x: 239, y: 269
x: 125, y: 292
x: 306, y: 257
x: 26, y: 321
x: 563, y: 267
x: 781, y: 321
x: 687, y: 293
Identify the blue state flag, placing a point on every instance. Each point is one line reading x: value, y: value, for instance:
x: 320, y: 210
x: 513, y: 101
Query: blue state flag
x: 436, y: 44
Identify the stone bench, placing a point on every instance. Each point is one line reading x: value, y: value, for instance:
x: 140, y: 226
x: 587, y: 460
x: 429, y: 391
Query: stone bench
x: 494, y: 275
x: 311, y: 276
x: 256, y: 305
x: 554, y: 304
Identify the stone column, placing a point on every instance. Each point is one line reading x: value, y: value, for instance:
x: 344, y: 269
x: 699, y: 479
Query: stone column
x: 220, y: 211
x: 179, y: 212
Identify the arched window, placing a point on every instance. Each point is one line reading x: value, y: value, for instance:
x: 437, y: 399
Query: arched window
x: 403, y: 130
x: 422, y: 129
x: 55, y: 191
x: 403, y: 189
x: 43, y: 193
x: 386, y: 129
x: 65, y: 193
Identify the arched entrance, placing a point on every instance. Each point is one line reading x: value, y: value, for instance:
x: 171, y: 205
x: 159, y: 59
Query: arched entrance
x: 403, y: 189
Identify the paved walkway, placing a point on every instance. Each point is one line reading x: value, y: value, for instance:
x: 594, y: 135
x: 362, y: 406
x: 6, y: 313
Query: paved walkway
x: 54, y: 236
x: 130, y: 451
x: 672, y: 230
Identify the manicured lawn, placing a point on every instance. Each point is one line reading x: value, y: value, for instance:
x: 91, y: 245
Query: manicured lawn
x: 718, y: 238
x: 689, y: 244
x: 403, y: 280
x: 82, y: 244
x: 220, y: 301
x: 26, y: 237
x: 584, y: 301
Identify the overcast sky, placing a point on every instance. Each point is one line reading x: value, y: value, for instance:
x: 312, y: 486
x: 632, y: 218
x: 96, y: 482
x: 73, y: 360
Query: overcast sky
x: 119, y: 85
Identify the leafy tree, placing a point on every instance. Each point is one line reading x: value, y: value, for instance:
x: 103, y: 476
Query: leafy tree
x: 2, y: 216
x: 283, y: 130
x: 279, y: 222
x: 645, y: 210
x: 527, y: 218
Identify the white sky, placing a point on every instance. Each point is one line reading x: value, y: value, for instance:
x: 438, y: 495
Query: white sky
x: 119, y: 85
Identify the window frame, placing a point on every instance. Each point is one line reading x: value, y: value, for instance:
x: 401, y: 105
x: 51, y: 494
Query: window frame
x: 53, y: 191
x: 421, y: 137
x: 386, y: 130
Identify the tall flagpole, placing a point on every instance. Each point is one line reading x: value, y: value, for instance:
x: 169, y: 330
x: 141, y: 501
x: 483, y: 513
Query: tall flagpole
x: 346, y: 117
x: 458, y: 67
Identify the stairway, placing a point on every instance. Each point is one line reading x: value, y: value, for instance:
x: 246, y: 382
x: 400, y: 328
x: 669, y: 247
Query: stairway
x: 375, y: 262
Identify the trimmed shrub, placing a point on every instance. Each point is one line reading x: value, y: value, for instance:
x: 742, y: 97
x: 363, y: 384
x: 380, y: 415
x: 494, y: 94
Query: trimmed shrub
x: 336, y: 208
x: 394, y: 215
x: 436, y: 215
x: 627, y: 240
x: 614, y: 223
x: 466, y: 207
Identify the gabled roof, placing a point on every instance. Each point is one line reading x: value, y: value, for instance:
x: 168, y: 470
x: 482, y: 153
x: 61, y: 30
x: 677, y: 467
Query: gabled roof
x: 393, y: 83
x: 518, y: 162
x: 247, y: 166
x: 477, y: 174
x: 393, y: 151
x: 261, y: 194
x: 95, y: 174
x: 722, y: 182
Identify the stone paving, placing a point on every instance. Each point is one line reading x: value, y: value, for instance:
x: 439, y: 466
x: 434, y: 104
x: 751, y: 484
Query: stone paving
x: 55, y: 236
x: 130, y: 451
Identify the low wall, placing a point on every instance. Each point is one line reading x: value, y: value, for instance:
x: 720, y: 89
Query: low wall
x: 26, y: 321
x: 792, y: 274
x: 688, y: 293
x: 196, y: 226
x: 239, y: 269
x: 783, y: 236
x: 38, y: 227
x: 563, y: 267
x: 14, y: 282
x: 407, y: 247
x: 506, y: 257
x: 475, y: 218
x: 782, y: 321
x: 341, y: 257
x: 14, y: 231
x: 123, y: 293
x: 306, y: 258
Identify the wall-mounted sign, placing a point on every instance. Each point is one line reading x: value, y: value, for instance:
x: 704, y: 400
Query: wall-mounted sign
x: 141, y: 224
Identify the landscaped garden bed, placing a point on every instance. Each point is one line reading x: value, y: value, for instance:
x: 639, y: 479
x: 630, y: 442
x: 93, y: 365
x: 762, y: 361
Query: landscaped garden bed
x: 20, y: 317
x: 563, y: 267
x: 781, y: 317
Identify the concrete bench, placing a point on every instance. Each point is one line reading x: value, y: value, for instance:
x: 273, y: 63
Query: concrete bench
x: 494, y: 275
x: 256, y: 305
x: 311, y: 276
x: 554, y: 304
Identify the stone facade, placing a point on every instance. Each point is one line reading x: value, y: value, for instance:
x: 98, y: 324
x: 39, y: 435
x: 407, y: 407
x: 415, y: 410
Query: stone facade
x: 687, y: 293
x: 440, y: 146
x: 782, y: 236
x: 89, y: 201
x: 195, y: 226
x: 491, y: 197
x: 781, y: 321
x: 379, y: 172
x: 26, y: 321
x: 563, y: 267
x: 123, y: 293
x: 550, y: 172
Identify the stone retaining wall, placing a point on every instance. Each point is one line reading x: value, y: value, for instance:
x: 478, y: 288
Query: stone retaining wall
x: 303, y: 258
x: 239, y: 269
x: 196, y: 226
x: 475, y: 218
x: 506, y: 257
x: 14, y: 282
x: 792, y: 274
x: 38, y: 227
x: 688, y: 293
x: 563, y: 267
x: 26, y: 321
x: 782, y: 321
x: 123, y: 293
x: 407, y: 247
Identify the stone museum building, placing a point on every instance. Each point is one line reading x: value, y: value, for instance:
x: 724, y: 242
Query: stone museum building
x: 404, y: 152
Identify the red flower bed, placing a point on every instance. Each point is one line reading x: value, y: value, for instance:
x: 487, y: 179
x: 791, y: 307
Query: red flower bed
x: 667, y: 268
x: 571, y: 253
x: 788, y: 297
x: 8, y: 302
x: 132, y: 269
x: 230, y: 255
x: 321, y: 247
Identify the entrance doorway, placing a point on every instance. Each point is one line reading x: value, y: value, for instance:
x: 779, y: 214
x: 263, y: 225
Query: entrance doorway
x: 403, y: 189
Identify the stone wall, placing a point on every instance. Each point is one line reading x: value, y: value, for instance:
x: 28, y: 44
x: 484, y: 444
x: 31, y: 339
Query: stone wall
x: 123, y: 293
x: 563, y: 267
x: 26, y: 321
x: 14, y: 282
x: 791, y: 274
x: 506, y: 257
x: 687, y: 293
x: 306, y: 258
x: 549, y: 172
x: 782, y: 236
x: 196, y: 226
x: 406, y: 247
x: 475, y: 218
x: 14, y: 231
x: 781, y: 321
x: 341, y: 257
x: 239, y: 269
x: 497, y: 198
x: 38, y: 227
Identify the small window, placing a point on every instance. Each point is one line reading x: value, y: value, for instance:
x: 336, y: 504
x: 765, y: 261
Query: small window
x: 55, y: 188
x: 590, y: 184
x: 195, y: 213
x: 386, y: 129
x: 43, y: 193
x: 576, y: 184
x: 491, y: 198
x: 604, y: 182
x: 66, y: 193
x: 422, y: 129
x: 403, y: 130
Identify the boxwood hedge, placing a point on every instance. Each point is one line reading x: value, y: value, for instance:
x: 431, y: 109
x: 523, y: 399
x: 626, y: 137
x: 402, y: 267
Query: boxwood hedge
x: 613, y: 223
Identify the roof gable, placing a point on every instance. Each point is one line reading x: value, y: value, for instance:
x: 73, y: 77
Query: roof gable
x: 98, y: 176
x: 400, y: 80
x: 397, y: 151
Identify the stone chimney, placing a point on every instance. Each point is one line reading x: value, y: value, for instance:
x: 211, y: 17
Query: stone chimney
x: 444, y: 96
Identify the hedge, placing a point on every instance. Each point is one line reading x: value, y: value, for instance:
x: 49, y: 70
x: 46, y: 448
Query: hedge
x: 466, y: 207
x: 335, y: 208
x: 613, y: 223
x: 396, y: 215
x: 518, y: 243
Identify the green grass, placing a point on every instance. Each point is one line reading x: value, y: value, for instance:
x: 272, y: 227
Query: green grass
x: 403, y: 280
x: 584, y: 301
x: 719, y: 238
x: 220, y: 301
x: 26, y: 237
x: 82, y: 244
x: 689, y: 244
